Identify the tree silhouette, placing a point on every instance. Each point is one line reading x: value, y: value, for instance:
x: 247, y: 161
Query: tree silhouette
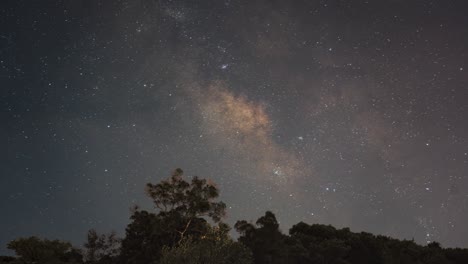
x: 214, y: 248
x: 7, y: 259
x: 266, y: 240
x: 190, y: 200
x: 186, y: 228
x: 43, y: 251
x: 101, y: 249
x: 182, y: 210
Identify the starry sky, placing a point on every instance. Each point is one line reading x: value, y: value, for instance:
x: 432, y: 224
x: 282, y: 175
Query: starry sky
x: 350, y: 113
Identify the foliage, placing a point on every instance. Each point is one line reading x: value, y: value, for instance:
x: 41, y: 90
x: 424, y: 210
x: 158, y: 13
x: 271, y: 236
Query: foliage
x: 35, y: 250
x: 190, y: 200
x: 324, y: 244
x: 182, y: 209
x: 265, y: 240
x: 7, y: 259
x: 101, y: 249
x: 215, y: 248
x: 148, y: 233
x: 182, y: 230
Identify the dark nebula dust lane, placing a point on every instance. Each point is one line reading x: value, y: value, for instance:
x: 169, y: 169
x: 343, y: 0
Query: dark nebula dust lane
x: 350, y: 113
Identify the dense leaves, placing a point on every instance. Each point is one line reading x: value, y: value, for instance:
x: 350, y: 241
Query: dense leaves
x: 101, y: 249
x: 148, y: 233
x: 35, y: 250
x: 214, y: 248
x: 182, y: 211
x: 186, y: 228
x: 190, y: 200
x: 323, y: 244
x: 265, y: 240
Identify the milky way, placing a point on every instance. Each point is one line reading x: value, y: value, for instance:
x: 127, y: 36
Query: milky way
x: 350, y: 113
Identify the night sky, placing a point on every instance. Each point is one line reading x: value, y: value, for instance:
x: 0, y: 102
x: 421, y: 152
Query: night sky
x: 350, y: 113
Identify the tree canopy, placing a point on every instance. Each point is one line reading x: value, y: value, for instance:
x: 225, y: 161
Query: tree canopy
x: 43, y: 251
x: 101, y: 248
x: 214, y: 248
x: 188, y: 201
x: 182, y: 210
x: 185, y: 226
